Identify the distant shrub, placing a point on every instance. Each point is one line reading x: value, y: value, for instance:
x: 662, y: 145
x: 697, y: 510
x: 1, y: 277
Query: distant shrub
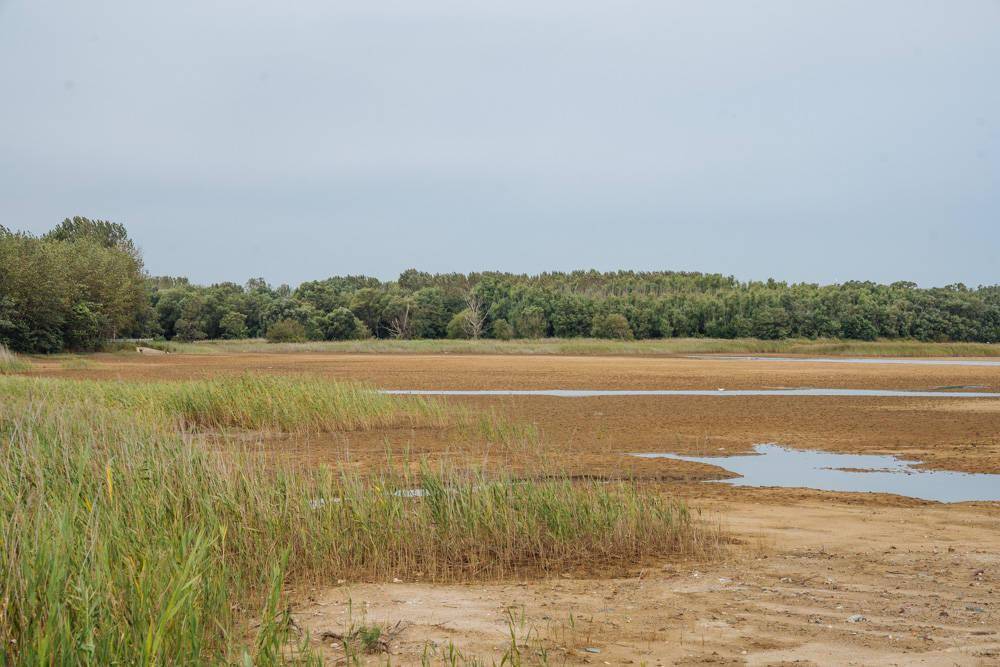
x: 341, y: 324
x: 502, y: 330
x: 188, y: 330
x: 233, y: 325
x: 530, y: 322
x: 458, y: 326
x: 286, y: 331
x: 613, y: 325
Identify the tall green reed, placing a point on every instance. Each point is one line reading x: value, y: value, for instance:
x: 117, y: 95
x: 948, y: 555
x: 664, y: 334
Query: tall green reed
x: 251, y: 402
x: 127, y: 541
x: 11, y: 362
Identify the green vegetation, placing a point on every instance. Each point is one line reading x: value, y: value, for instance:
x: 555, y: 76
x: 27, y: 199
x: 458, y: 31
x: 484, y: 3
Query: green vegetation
x: 502, y: 330
x: 286, y: 331
x: 76, y: 363
x: 251, y: 402
x: 127, y: 542
x: 590, y: 346
x: 83, y: 283
x: 605, y: 305
x: 71, y: 289
x: 10, y: 362
x: 612, y: 325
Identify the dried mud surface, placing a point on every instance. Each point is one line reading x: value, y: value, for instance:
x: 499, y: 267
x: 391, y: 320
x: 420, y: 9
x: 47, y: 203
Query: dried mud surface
x: 925, y: 577
x: 593, y: 434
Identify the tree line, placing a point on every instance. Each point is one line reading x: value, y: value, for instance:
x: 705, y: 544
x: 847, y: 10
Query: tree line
x: 73, y: 288
x: 83, y: 283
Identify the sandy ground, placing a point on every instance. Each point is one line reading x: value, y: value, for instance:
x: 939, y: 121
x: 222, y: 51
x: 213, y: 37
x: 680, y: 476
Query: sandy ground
x: 925, y: 576
x: 924, y: 579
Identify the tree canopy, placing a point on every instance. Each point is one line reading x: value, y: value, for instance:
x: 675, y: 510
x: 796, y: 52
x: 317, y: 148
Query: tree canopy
x: 83, y: 282
x: 70, y: 289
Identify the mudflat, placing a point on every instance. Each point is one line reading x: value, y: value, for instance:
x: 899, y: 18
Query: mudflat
x: 596, y: 433
x: 813, y: 578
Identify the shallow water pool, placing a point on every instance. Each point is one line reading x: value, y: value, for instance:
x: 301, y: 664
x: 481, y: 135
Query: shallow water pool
x: 853, y: 360
x: 582, y: 393
x: 776, y: 466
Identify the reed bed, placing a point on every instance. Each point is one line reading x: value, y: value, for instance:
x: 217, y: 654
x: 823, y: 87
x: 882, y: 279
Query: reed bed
x: 125, y: 541
x: 11, y: 362
x: 596, y: 347
x: 251, y: 402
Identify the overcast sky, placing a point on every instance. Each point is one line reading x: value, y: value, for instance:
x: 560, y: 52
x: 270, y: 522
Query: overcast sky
x: 808, y: 141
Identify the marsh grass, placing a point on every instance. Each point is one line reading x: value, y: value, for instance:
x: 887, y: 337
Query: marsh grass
x: 497, y: 438
x: 251, y: 402
x: 597, y: 347
x: 76, y: 363
x: 125, y: 541
x: 11, y: 362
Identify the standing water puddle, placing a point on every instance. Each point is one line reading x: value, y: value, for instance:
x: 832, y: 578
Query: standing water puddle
x: 581, y: 393
x: 852, y: 360
x: 776, y: 466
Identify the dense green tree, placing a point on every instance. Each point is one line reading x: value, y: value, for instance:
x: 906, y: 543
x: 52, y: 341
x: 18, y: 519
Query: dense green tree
x: 612, y: 325
x: 341, y: 324
x: 286, y: 331
x: 83, y: 283
x: 501, y: 330
x: 459, y: 325
x: 188, y: 330
x: 107, y: 234
x: 71, y: 292
x: 233, y: 325
x: 530, y: 322
x: 571, y: 316
x: 430, y: 316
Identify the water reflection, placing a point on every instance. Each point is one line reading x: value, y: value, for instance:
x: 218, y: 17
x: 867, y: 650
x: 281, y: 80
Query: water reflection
x: 722, y: 392
x: 853, y: 360
x: 775, y: 466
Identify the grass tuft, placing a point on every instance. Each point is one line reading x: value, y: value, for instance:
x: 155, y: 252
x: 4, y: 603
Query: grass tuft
x: 76, y: 363
x: 11, y: 362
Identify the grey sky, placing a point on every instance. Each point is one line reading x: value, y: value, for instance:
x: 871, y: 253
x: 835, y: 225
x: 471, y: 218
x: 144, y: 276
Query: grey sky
x: 817, y: 141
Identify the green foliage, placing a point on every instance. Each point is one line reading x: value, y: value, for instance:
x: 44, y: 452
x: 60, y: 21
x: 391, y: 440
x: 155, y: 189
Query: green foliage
x: 70, y: 289
x: 431, y: 316
x: 127, y: 541
x: 10, y: 362
x: 286, y: 331
x: 82, y: 283
x: 613, y: 325
x: 341, y: 324
x: 83, y: 327
x: 111, y: 235
x: 261, y: 403
x: 233, y: 325
x: 502, y: 330
x: 530, y: 322
x: 187, y: 330
x: 458, y: 327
